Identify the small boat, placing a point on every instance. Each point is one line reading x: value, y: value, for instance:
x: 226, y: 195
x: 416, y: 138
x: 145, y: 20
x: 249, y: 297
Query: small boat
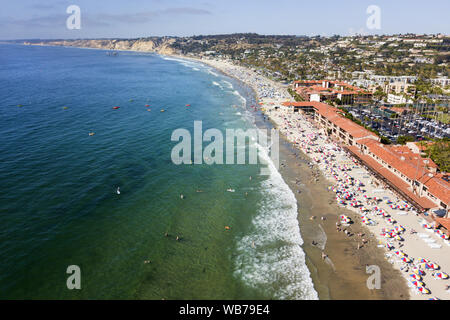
x: 188, y: 105
x: 115, y: 108
x: 230, y: 190
x: 147, y: 105
x: 118, y: 190
x: 91, y: 133
x: 162, y: 110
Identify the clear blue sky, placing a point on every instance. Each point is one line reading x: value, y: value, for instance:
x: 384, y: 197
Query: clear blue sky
x: 21, y: 19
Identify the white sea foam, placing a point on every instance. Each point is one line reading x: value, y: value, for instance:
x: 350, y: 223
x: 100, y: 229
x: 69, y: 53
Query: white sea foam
x: 212, y: 72
x: 244, y: 101
x: 217, y: 84
x: 187, y: 63
x: 276, y: 265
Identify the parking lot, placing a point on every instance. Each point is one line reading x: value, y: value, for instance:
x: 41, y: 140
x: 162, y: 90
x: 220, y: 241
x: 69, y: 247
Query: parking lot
x: 405, y: 125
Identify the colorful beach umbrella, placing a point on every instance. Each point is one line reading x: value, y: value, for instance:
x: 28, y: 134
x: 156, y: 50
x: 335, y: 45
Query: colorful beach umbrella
x: 433, y: 266
x: 415, y: 276
x: 417, y: 283
x: 441, y: 275
x: 406, y: 260
x: 423, y: 290
x: 418, y: 272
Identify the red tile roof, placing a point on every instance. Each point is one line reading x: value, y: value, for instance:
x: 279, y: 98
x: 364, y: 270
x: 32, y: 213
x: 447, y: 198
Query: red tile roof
x: 393, y: 179
x: 412, y: 166
x: 335, y: 87
x: 445, y: 222
x: 398, y: 110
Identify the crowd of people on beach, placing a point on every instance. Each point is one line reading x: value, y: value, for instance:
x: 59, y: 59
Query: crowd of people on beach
x: 374, y: 203
x: 357, y: 195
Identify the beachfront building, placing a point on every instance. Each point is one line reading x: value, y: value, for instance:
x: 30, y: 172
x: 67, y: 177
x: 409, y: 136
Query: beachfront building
x: 399, y: 87
x: 415, y: 177
x: 402, y: 167
x: 397, y: 99
x: 325, y: 90
x: 335, y: 124
x: 443, y: 81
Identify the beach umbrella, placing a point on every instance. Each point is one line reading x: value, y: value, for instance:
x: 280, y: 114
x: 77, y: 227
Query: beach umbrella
x: 415, y: 276
x: 417, y: 283
x: 441, y: 275
x: 399, y: 253
x: 418, y: 272
x: 433, y: 266
x: 422, y: 265
x: 406, y: 260
x: 423, y: 290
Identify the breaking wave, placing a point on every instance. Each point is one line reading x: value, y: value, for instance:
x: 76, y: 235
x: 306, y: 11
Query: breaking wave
x: 271, y: 258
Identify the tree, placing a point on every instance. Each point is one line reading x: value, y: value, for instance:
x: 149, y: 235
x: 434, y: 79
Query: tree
x: 385, y: 140
x: 439, y: 152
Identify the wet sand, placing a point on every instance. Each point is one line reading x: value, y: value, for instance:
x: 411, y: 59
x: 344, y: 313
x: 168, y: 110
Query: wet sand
x: 343, y: 274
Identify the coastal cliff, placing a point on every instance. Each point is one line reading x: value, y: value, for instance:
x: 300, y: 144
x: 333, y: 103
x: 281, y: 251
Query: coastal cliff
x: 157, y: 45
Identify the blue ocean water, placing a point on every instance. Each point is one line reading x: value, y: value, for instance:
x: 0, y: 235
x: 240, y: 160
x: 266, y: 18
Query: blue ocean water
x: 59, y: 207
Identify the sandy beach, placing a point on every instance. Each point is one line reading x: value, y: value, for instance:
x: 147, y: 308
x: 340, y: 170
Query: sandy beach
x: 382, y: 224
